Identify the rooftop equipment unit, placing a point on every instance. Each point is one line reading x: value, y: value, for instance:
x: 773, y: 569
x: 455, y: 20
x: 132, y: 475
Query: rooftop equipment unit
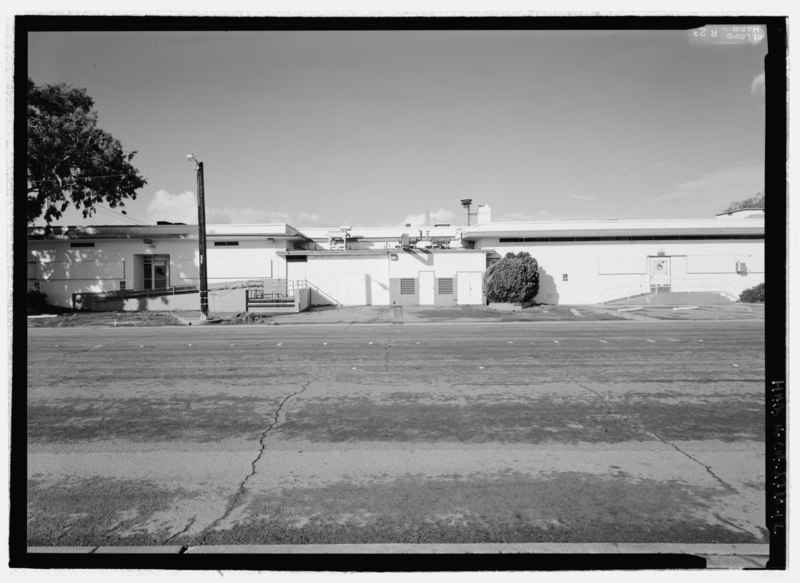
x: 466, y: 203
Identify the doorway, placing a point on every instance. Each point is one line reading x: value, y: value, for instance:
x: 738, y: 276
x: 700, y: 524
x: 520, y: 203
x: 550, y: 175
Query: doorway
x: 156, y: 272
x: 660, y: 274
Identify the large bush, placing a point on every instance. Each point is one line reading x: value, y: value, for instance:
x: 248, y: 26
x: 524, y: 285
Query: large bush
x: 753, y: 294
x: 515, y: 279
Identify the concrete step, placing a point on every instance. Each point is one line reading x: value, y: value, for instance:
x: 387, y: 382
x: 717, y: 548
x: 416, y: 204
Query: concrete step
x: 271, y: 302
x: 282, y: 309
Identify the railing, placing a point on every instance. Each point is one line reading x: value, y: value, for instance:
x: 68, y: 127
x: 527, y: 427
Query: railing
x: 706, y: 285
x: 625, y: 291
x: 677, y: 285
x: 142, y: 293
x: 258, y: 289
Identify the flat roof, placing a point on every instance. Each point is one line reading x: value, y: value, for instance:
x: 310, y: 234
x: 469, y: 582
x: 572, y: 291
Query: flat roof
x: 655, y: 227
x: 273, y: 230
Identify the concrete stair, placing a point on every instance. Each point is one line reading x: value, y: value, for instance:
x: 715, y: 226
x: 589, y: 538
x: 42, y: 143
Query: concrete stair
x: 271, y: 305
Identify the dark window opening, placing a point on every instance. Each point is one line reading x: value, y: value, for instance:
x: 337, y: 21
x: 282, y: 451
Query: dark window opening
x: 629, y: 238
x: 296, y: 259
x: 226, y: 243
x: 81, y: 245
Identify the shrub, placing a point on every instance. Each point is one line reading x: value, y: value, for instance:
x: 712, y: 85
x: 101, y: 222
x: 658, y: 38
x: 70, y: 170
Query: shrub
x: 515, y: 279
x: 753, y: 294
x: 36, y: 301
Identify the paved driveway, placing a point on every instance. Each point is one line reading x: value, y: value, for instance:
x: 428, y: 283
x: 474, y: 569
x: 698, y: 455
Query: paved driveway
x: 569, y: 432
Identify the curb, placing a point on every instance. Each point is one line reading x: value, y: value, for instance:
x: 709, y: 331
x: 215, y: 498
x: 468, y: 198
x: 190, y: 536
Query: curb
x: 717, y: 556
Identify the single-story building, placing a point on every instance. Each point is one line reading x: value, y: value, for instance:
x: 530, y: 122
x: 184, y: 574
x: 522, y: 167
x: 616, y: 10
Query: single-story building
x: 580, y: 262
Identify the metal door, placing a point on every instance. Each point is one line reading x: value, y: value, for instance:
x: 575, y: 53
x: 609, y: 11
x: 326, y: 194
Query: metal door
x: 469, y: 288
x: 426, y: 288
x: 660, y: 277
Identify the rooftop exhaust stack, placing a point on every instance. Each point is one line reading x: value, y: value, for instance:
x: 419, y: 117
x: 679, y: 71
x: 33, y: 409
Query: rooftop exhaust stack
x: 484, y: 214
x: 466, y: 202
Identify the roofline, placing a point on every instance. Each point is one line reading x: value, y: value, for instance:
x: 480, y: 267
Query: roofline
x: 272, y: 230
x: 749, y: 208
x: 343, y: 253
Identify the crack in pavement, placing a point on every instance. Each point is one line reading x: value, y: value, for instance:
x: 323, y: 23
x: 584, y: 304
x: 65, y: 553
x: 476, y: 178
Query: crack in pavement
x: 637, y: 425
x: 386, y: 350
x: 262, y: 443
x: 177, y: 534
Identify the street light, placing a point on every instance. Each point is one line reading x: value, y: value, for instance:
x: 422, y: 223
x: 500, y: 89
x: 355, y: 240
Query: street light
x: 201, y: 225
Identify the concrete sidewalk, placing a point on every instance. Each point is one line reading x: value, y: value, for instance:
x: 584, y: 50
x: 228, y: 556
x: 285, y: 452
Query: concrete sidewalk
x: 542, y: 313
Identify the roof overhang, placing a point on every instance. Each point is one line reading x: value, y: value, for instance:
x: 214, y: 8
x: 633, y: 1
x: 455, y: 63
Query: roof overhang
x: 654, y: 228
x: 267, y: 231
x: 374, y: 252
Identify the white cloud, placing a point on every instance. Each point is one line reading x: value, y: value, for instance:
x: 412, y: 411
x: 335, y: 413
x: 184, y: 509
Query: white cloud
x: 757, y: 86
x: 725, y: 185
x: 311, y: 220
x: 439, y: 216
x: 244, y: 216
x: 176, y: 208
x: 580, y: 196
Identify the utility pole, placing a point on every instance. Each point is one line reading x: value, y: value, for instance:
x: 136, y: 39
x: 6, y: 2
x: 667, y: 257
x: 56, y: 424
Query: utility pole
x: 201, y: 225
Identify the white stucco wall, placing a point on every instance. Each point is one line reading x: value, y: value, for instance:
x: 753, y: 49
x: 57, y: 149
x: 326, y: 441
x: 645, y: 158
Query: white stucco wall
x: 62, y: 270
x: 602, y: 271
x: 250, y: 259
x: 354, y: 280
x: 349, y: 280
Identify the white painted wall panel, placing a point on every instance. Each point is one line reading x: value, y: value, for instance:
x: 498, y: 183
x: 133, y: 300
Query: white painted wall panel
x: 248, y: 260
x: 613, y: 264
x: 82, y: 270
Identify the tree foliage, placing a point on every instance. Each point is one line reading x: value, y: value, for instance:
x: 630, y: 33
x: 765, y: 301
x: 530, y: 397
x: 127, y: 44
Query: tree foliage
x: 753, y: 294
x: 754, y: 202
x: 515, y: 279
x: 70, y: 159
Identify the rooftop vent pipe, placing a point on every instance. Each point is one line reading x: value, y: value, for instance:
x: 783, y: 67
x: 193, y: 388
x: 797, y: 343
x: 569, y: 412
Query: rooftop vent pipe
x: 466, y: 202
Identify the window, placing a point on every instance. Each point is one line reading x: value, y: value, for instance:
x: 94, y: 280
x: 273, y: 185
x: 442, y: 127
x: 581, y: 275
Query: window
x: 81, y: 245
x: 407, y: 286
x: 446, y: 286
x: 296, y: 259
x: 36, y: 286
x: 226, y: 243
x: 122, y: 285
x: 564, y: 277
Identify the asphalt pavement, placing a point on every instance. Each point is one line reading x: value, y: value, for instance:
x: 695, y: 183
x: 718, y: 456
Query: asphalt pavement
x: 601, y: 432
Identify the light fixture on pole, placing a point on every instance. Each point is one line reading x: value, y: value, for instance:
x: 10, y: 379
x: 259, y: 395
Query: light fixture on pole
x: 201, y: 225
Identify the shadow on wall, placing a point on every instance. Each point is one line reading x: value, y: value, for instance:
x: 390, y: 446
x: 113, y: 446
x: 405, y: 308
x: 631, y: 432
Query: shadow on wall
x: 548, y: 292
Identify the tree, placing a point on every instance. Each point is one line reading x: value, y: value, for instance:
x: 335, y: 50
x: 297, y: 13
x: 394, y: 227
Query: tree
x: 753, y: 294
x: 755, y: 202
x: 515, y: 278
x: 71, y: 160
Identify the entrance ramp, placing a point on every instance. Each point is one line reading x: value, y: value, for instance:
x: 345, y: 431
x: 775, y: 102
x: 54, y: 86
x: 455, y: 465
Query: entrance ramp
x: 675, y: 299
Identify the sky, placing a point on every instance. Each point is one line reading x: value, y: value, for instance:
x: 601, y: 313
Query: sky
x: 376, y: 128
